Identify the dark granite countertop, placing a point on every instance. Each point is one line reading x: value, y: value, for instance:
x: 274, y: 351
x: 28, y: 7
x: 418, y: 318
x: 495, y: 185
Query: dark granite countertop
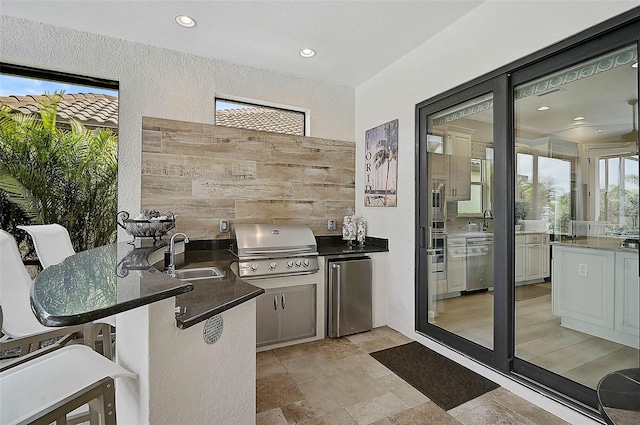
x: 334, y: 245
x: 111, y: 279
x: 601, y: 243
x: 98, y: 283
x: 619, y: 397
x: 211, y: 296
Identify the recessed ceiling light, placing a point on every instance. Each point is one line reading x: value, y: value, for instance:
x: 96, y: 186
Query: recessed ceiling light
x: 635, y: 65
x: 543, y: 108
x: 578, y: 118
x: 185, y: 21
x: 599, y: 130
x: 307, y: 53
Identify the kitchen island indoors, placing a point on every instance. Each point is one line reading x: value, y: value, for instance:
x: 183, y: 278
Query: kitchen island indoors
x: 595, y: 288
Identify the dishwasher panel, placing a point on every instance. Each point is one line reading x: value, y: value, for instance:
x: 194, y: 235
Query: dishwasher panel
x: 479, y: 263
x: 350, y: 297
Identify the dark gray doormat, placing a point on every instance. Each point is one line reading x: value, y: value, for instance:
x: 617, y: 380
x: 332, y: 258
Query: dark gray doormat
x: 443, y: 381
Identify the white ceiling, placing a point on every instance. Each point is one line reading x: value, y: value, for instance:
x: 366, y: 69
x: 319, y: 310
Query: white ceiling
x: 354, y: 40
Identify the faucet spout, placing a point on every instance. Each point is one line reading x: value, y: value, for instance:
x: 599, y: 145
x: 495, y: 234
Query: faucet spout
x: 171, y: 270
x: 485, y: 224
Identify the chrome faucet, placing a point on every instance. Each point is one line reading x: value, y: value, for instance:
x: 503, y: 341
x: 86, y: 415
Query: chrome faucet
x: 485, y: 224
x: 171, y: 270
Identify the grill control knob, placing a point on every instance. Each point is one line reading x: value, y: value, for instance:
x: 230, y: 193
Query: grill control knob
x: 272, y: 265
x: 254, y: 266
x: 306, y: 263
x: 298, y: 263
x: 289, y: 264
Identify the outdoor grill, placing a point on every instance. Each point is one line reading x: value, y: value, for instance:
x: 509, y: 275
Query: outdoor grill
x: 271, y: 250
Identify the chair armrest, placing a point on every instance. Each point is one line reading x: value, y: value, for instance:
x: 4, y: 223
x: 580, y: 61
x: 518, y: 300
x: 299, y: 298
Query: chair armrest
x: 33, y: 355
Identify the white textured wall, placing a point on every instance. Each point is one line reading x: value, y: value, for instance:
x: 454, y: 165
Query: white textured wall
x: 166, y: 84
x: 492, y: 35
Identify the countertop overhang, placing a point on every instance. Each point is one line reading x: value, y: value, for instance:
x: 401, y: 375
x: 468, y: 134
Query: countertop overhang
x: 111, y: 279
x: 100, y: 282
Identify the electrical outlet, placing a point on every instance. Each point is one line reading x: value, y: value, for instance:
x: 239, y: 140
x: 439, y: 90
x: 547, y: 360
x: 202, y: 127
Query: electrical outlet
x: 224, y: 226
x: 583, y: 270
x: 331, y: 225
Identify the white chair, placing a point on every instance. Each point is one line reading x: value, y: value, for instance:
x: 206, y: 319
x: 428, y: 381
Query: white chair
x: 53, y: 245
x: 48, y: 387
x: 19, y: 326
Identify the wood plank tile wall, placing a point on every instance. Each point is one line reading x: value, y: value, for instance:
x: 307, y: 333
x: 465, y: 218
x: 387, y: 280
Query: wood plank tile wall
x: 206, y: 173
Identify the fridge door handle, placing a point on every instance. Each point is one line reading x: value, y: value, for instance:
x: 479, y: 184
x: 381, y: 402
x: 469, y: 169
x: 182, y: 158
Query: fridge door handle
x: 336, y: 267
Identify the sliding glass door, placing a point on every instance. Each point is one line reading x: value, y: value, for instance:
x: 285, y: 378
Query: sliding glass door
x: 576, y: 192
x: 534, y: 170
x: 457, y: 194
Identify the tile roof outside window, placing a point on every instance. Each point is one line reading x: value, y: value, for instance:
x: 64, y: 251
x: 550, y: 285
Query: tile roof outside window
x: 92, y: 110
x: 101, y: 111
x: 263, y: 119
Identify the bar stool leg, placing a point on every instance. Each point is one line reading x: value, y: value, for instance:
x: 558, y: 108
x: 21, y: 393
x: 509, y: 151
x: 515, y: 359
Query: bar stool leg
x: 109, y: 402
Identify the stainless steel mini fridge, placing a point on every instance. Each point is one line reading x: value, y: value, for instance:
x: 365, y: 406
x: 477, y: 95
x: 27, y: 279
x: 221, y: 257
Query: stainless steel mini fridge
x: 349, y: 293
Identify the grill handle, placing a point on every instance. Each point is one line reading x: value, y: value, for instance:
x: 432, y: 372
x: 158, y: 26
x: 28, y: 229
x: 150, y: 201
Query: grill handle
x: 275, y: 302
x: 269, y: 251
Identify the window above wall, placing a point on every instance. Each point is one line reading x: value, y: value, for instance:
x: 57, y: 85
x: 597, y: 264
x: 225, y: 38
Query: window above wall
x: 232, y: 113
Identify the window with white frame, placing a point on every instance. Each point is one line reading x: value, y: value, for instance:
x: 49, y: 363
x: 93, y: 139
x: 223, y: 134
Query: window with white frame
x: 618, y: 193
x: 481, y: 177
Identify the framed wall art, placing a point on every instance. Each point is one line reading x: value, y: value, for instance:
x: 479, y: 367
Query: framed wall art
x: 381, y: 165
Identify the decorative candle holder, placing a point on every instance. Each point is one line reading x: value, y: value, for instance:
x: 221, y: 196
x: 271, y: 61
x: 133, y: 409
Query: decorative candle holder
x: 349, y: 227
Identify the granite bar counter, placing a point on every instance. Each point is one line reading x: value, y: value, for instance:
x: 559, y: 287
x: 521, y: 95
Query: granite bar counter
x: 100, y: 282
x: 115, y: 278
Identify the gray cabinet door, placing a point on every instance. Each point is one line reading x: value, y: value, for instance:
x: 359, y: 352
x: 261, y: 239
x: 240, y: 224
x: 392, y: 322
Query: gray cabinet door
x: 298, y: 312
x: 268, y: 318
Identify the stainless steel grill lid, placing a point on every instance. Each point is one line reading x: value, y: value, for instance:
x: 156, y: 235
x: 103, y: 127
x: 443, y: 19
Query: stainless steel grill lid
x: 272, y: 250
x: 274, y: 240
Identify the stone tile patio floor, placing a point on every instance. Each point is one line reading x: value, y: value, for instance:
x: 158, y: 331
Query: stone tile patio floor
x: 336, y: 382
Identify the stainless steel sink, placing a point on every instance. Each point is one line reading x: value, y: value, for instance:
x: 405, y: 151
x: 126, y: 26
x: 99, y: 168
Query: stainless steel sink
x: 199, y: 273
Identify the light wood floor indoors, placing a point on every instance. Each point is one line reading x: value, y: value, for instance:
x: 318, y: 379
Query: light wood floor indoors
x: 539, y: 337
x: 336, y: 382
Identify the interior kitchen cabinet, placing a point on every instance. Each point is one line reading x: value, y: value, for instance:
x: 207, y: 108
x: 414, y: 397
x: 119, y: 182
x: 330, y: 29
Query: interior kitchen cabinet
x: 532, y: 257
x: 286, y: 314
x: 452, y: 166
x: 457, y: 149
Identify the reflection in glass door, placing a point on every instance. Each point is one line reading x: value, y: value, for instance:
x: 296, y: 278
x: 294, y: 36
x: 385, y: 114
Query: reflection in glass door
x: 576, y: 212
x: 460, y: 220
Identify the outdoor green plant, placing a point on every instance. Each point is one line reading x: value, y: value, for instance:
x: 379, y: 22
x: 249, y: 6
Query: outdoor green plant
x: 54, y: 175
x: 520, y: 211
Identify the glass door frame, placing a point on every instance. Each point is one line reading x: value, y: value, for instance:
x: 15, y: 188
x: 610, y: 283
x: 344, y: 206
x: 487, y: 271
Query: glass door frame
x: 495, y: 358
x: 614, y: 33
